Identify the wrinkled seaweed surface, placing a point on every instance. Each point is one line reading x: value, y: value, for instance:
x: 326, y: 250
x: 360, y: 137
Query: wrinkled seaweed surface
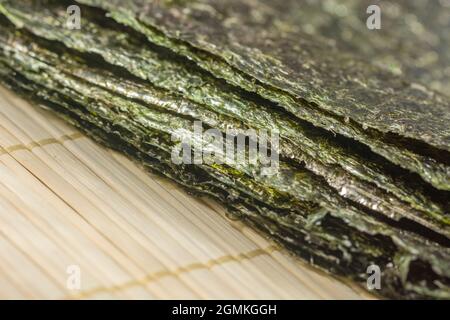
x: 144, y: 129
x: 331, y: 242
x: 333, y: 202
x: 302, y: 142
x: 301, y: 73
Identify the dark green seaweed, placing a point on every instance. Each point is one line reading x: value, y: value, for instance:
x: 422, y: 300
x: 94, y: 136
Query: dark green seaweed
x: 150, y: 95
x: 174, y: 75
x: 295, y: 207
x: 325, y: 237
x: 360, y: 100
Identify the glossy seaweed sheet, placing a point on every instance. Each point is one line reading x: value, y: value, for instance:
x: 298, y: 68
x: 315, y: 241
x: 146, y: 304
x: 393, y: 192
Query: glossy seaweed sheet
x: 334, y: 241
x: 247, y: 44
x: 256, y: 37
x: 347, y: 170
x: 343, y: 238
x: 333, y: 202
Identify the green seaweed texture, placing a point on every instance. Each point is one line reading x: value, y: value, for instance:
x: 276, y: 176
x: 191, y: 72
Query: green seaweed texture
x: 364, y: 164
x: 299, y: 141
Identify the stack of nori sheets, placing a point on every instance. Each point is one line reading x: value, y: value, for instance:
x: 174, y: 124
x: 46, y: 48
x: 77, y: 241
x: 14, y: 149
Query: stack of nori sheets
x: 364, y: 169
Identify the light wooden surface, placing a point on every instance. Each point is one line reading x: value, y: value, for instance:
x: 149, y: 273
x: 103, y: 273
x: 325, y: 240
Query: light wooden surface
x: 66, y: 202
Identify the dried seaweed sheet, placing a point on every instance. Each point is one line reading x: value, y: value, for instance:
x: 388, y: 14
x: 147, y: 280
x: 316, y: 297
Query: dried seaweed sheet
x: 148, y: 95
x: 172, y: 75
x: 295, y: 207
x: 313, y: 73
x: 323, y: 247
x: 306, y: 188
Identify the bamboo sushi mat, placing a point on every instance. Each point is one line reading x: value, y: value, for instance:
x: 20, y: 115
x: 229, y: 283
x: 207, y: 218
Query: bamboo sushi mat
x: 69, y: 207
